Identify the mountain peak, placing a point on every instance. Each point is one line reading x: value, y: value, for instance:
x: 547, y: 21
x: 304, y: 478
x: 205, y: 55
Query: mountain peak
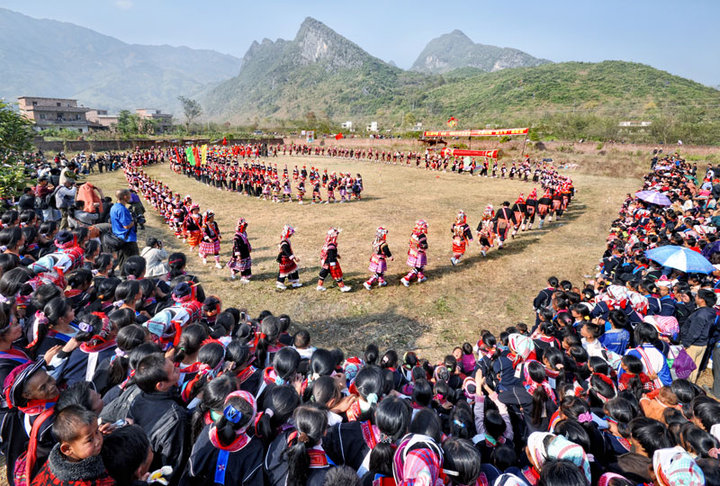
x: 459, y: 34
x: 318, y: 42
x: 456, y: 50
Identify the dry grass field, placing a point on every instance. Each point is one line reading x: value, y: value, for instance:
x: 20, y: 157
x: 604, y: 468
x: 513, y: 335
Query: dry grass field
x: 452, y: 306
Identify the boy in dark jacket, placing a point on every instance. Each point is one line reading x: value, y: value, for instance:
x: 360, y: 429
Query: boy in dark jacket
x: 156, y: 410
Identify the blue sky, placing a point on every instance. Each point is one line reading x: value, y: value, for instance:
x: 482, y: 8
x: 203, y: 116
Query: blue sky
x: 679, y: 37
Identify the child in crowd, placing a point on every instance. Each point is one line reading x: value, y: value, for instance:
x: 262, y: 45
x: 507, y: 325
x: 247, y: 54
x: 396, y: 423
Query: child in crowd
x: 75, y: 460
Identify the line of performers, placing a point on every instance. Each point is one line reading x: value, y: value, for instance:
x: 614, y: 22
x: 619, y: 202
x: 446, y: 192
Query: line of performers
x: 430, y: 160
x: 496, y: 227
x: 198, y: 230
x: 202, y: 234
x: 265, y: 181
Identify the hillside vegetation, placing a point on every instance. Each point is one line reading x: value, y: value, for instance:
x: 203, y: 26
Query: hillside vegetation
x: 320, y: 79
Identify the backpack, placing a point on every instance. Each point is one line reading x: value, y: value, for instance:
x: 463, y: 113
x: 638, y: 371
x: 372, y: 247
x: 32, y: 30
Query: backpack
x: 682, y: 365
x: 50, y: 200
x: 26, y: 462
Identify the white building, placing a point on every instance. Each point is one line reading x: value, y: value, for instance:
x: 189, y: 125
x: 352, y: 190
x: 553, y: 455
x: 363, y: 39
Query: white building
x: 372, y: 127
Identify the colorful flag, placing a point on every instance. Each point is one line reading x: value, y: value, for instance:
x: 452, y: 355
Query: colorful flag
x: 203, y: 157
x: 452, y: 122
x: 196, y: 154
x: 190, y: 156
x: 224, y: 142
x: 339, y: 136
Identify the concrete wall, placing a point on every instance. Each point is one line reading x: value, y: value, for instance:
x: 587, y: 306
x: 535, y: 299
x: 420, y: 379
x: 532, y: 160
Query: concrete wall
x: 121, y: 145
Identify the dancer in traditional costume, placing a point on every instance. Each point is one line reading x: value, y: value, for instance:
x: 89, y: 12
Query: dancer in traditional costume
x: 316, y: 198
x: 504, y: 221
x: 332, y: 184
x: 530, y: 210
x: 193, y: 227
x: 287, y: 191
x: 544, y: 207
x: 417, y: 256
x: 342, y: 188
x: 556, y: 208
x: 519, y: 210
x: 179, y: 212
x: 210, y: 244
x: 287, y: 260
x: 301, y: 190
x: 461, y: 235
x: 240, y: 262
x: 329, y: 262
x: 485, y: 233
x: 378, y: 260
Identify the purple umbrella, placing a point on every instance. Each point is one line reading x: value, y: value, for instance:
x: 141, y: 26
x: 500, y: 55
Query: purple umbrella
x: 653, y: 197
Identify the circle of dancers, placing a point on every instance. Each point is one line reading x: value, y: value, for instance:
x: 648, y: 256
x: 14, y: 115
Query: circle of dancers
x: 266, y: 182
x: 202, y: 234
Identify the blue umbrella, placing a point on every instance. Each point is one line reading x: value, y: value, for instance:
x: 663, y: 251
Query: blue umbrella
x: 680, y: 258
x: 653, y: 197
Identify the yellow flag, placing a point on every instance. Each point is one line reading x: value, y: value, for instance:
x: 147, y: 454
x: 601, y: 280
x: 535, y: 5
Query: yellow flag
x: 203, y: 154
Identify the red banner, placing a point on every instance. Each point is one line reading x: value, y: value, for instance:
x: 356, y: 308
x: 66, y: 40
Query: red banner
x: 475, y: 133
x: 448, y: 152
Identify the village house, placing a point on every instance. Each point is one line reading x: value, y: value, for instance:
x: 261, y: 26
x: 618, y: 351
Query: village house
x: 54, y: 113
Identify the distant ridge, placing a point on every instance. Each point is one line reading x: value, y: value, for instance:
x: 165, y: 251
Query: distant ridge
x: 59, y: 59
x: 456, y: 50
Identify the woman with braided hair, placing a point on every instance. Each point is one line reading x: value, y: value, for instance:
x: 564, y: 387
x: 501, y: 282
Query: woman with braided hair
x: 297, y: 458
x: 225, y: 453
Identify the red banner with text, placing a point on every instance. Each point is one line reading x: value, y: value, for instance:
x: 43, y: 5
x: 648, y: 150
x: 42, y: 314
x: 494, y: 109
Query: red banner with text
x: 475, y: 133
x: 448, y: 152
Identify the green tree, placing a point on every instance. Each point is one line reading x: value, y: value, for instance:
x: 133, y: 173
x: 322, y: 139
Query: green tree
x: 409, y: 120
x: 148, y: 126
x: 191, y: 108
x: 16, y: 136
x: 128, y: 123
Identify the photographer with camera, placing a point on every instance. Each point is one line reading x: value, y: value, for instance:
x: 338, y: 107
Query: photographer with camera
x: 155, y: 256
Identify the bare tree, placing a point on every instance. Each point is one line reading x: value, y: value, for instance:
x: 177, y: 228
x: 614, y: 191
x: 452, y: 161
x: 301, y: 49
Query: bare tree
x: 191, y: 108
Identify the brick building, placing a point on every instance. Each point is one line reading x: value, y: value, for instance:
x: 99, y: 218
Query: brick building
x: 54, y: 113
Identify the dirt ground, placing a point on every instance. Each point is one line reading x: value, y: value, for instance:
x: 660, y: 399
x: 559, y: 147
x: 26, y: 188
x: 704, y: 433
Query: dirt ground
x: 451, y: 307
